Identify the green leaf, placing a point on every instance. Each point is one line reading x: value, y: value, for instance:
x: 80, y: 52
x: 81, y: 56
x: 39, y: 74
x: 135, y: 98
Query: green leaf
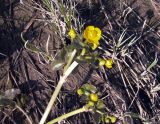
x: 61, y: 54
x: 59, y: 60
x: 100, y: 104
x: 57, y: 64
x: 89, y: 87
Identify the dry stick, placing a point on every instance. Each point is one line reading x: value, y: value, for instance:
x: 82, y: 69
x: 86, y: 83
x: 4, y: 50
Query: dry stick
x: 29, y: 120
x: 54, y: 96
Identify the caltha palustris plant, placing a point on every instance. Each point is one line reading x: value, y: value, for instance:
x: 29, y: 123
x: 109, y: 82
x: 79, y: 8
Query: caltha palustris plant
x: 81, y: 49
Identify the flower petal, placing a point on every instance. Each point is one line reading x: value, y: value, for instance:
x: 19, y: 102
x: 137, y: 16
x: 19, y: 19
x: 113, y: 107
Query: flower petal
x: 91, y: 28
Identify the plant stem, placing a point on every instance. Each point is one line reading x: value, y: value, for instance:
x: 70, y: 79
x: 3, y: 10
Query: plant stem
x: 83, y: 109
x: 54, y: 96
x: 70, y: 60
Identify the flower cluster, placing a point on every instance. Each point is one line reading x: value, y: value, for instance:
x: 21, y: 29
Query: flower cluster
x: 92, y: 36
x: 93, y: 102
x: 89, y: 91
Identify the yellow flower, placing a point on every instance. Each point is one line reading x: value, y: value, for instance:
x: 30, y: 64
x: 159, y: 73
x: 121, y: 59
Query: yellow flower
x: 80, y: 92
x: 92, y: 35
x: 109, y: 63
x: 93, y: 97
x: 72, y: 33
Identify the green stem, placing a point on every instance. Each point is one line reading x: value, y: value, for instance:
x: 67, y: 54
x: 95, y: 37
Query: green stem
x: 98, y: 111
x: 84, y: 109
x: 70, y: 59
x: 57, y: 90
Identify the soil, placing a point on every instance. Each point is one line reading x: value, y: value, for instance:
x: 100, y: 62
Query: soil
x: 27, y: 71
